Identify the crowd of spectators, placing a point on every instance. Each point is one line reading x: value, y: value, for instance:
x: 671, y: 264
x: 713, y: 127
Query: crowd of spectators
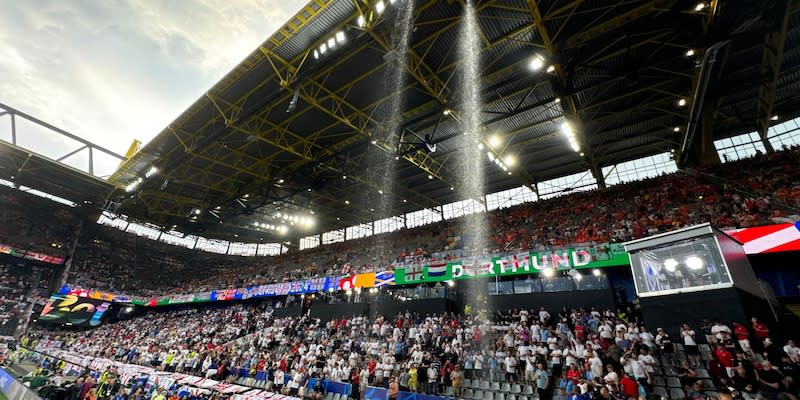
x: 22, y: 283
x: 577, y: 354
x: 751, y: 192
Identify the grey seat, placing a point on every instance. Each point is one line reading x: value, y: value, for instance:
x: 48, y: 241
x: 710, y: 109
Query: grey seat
x: 674, y: 382
x: 659, y: 381
x: 676, y: 393
x: 527, y: 390
x: 661, y: 391
x: 496, y: 386
x: 701, y: 373
x: 516, y: 388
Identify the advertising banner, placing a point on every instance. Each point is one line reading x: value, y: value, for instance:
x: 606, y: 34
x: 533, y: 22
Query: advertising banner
x: 73, y: 310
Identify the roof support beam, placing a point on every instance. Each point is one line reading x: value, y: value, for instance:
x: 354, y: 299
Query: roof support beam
x: 567, y: 102
x: 587, y: 34
x: 774, y: 43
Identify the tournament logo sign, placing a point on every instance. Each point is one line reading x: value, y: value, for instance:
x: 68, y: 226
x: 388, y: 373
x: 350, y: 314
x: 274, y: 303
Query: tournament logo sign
x: 71, y: 309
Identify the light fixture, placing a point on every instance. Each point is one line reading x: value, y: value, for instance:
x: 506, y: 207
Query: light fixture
x: 558, y: 100
x: 509, y: 160
x: 196, y: 211
x: 548, y: 272
x: 577, y: 275
x: 676, y: 129
x: 323, y: 48
x: 551, y: 69
x: 380, y: 191
x: 430, y: 176
x: 689, y: 52
x: 451, y: 283
x: 152, y: 171
x: 380, y: 6
x: 316, y: 54
x: 331, y: 42
x: 694, y: 262
x: 670, y: 264
x: 536, y: 63
x: 372, y: 209
x: 567, y: 129
x: 338, y: 219
x: 309, y: 189
x: 347, y: 202
x: 244, y: 196
x: 774, y: 118
x: 495, y: 141
x: 681, y: 102
x: 596, y: 272
x: 341, y: 37
x: 581, y: 154
x: 490, y: 155
x: 344, y: 176
x: 700, y: 6
x: 374, y: 142
x: 405, y: 201
x: 281, y: 181
x: 452, y: 188
x: 396, y: 157
x: 217, y: 208
x: 509, y: 172
x: 446, y: 111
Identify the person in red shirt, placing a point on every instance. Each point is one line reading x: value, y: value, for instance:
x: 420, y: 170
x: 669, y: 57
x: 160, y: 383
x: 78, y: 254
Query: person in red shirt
x: 725, y: 358
x: 573, y: 373
x: 629, y: 387
x: 742, y: 335
x: 762, y: 331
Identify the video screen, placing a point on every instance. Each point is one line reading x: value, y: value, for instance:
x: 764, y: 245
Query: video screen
x: 690, y: 265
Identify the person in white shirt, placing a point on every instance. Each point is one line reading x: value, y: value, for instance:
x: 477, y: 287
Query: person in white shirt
x: 647, y: 338
x: 596, y: 366
x: 544, y: 316
x: 611, y: 377
x: 511, y: 368
x: 690, y: 345
x: 792, y: 351
x: 530, y: 366
x: 718, y: 328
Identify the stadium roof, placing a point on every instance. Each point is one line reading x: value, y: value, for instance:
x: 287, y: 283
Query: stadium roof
x: 280, y: 132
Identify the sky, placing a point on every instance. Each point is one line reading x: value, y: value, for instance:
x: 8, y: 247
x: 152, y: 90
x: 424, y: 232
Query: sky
x: 112, y: 71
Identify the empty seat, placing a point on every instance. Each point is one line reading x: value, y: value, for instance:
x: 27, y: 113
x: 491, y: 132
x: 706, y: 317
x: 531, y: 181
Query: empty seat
x: 676, y: 393
x: 661, y: 391
x: 506, y: 387
x: 704, y: 348
x: 488, y: 395
x: 485, y: 385
x: 328, y: 396
x: 673, y: 382
x: 477, y: 395
x: 467, y: 383
x: 701, y: 373
x: 337, y: 396
x: 496, y: 386
x: 659, y: 381
x: 448, y: 391
x: 516, y: 388
x: 500, y: 396
x: 713, y: 395
x: 527, y: 390
x: 511, y: 397
x: 467, y: 394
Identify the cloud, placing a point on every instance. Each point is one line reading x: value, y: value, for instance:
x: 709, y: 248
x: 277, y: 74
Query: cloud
x: 114, y: 71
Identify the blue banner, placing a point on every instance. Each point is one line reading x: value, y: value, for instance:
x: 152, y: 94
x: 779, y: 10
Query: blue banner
x: 376, y: 393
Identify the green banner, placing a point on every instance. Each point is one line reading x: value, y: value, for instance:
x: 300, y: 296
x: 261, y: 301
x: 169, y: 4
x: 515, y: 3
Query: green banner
x: 606, y: 255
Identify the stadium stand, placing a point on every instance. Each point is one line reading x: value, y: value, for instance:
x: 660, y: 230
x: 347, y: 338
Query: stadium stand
x: 726, y: 196
x: 519, y: 353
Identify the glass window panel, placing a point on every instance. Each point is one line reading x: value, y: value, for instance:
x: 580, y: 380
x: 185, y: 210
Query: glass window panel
x: 423, y: 217
x: 333, y: 236
x: 309, y: 242
x: 359, y: 231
